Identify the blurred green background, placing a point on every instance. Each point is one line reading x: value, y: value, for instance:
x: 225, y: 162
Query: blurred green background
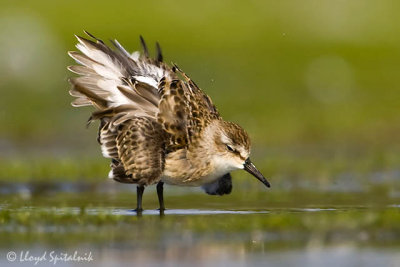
x: 315, y: 83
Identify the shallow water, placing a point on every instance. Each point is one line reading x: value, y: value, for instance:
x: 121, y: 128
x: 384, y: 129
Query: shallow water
x: 247, y: 228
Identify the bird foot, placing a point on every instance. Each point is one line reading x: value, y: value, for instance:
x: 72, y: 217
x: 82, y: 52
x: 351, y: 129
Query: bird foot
x: 161, y: 210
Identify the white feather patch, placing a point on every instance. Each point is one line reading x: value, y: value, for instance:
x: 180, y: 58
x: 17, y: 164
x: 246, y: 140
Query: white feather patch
x: 135, y: 55
x: 102, y: 58
x: 111, y: 71
x: 147, y: 80
x: 105, y: 152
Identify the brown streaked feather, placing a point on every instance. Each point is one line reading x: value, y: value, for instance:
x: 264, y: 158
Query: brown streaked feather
x: 118, y: 173
x: 147, y: 92
x: 106, y: 138
x: 137, y: 99
x: 173, y: 112
x: 81, y: 102
x: 82, y: 59
x: 98, y: 101
x: 111, y: 112
x: 146, y: 108
x: 119, y: 114
x: 184, y: 110
x: 140, y: 144
x: 237, y: 134
x: 104, y: 69
x: 127, y: 66
x: 81, y: 70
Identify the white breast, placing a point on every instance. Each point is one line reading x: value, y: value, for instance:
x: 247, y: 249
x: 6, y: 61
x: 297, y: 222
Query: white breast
x: 220, y: 168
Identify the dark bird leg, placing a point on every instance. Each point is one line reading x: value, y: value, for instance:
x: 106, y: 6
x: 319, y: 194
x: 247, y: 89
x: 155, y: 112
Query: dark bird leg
x: 139, y: 194
x: 160, y: 194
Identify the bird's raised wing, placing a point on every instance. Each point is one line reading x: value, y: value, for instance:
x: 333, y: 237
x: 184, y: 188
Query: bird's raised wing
x: 123, y: 86
x: 184, y: 109
x: 113, y: 78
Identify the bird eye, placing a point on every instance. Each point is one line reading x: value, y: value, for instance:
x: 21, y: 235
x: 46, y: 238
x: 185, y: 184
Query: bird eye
x: 229, y: 148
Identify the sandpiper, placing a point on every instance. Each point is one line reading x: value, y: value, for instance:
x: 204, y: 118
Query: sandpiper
x: 156, y: 125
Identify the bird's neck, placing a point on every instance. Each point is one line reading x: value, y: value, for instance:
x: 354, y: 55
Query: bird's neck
x: 197, y: 164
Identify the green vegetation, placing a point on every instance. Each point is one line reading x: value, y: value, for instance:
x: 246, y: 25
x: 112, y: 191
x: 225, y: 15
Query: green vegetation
x: 64, y: 227
x: 290, y: 73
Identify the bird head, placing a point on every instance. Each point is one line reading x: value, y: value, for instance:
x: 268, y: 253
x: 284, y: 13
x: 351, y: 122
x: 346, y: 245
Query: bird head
x: 233, y: 149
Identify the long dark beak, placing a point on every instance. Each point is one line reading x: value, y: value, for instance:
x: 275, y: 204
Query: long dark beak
x: 250, y: 168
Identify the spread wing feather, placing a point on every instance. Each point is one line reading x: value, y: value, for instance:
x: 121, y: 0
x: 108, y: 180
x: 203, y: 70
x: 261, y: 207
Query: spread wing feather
x: 105, y: 71
x: 173, y: 113
x: 144, y: 106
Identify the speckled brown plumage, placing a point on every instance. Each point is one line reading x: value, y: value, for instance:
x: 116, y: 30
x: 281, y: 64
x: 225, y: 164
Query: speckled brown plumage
x: 156, y: 124
x: 177, y: 110
x: 141, y: 150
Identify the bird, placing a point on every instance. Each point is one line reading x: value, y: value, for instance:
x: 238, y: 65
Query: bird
x: 155, y: 124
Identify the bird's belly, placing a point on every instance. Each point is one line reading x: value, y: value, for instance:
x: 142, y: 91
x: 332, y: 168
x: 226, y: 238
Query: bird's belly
x: 194, y: 177
x: 191, y: 181
x: 181, y: 171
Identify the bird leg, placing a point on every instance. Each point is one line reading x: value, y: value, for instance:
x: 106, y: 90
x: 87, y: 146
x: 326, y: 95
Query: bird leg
x: 160, y: 194
x: 139, y: 194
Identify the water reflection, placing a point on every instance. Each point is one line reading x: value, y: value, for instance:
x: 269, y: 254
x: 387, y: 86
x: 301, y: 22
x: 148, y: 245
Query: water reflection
x: 222, y: 254
x: 274, y: 229
x: 226, y: 255
x: 187, y: 212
